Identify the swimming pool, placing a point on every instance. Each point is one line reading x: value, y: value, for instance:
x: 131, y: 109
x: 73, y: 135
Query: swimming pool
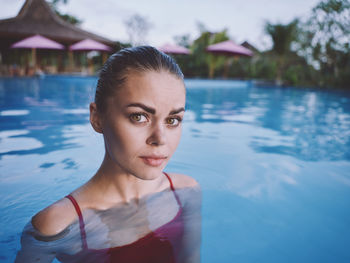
x: 273, y: 164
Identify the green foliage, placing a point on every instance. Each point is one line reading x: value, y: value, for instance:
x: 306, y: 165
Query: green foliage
x: 265, y: 67
x: 311, y: 52
x: 324, y: 41
x: 316, y: 51
x: 282, y: 36
x: 242, y: 68
x: 69, y: 18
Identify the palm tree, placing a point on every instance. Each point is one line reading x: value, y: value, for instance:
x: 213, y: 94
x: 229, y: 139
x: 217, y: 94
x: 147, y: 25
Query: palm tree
x: 200, y: 44
x: 213, y: 60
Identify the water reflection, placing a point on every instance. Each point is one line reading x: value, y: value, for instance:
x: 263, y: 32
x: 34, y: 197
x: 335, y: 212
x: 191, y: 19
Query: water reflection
x: 311, y: 126
x: 42, y: 108
x: 17, y: 140
x: 14, y: 112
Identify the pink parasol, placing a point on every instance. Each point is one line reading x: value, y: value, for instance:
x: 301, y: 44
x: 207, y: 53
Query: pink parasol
x: 37, y: 41
x: 89, y: 44
x: 229, y: 48
x: 174, y: 49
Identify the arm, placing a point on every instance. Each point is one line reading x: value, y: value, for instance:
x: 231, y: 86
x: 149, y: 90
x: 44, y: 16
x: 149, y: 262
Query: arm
x: 46, y: 234
x: 32, y: 249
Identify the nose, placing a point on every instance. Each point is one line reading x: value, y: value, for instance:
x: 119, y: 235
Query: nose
x: 157, y: 136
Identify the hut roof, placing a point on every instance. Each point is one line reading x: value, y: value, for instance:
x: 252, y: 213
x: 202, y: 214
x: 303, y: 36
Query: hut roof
x: 37, y: 17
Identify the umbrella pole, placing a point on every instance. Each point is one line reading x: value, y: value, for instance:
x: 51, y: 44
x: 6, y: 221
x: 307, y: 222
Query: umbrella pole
x: 212, y: 66
x: 104, y: 57
x: 71, y: 62
x: 227, y: 66
x: 59, y: 63
x: 34, y: 58
x: 90, y: 66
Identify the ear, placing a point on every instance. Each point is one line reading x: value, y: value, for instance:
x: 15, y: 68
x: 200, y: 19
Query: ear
x: 95, y: 118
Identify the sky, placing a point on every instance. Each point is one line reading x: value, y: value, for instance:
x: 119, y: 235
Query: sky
x: 244, y: 19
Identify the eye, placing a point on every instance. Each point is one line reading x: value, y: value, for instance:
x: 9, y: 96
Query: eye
x: 138, y: 117
x: 173, y: 121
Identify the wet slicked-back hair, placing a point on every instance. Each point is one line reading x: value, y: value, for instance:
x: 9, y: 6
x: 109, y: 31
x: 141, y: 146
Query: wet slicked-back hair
x: 137, y: 59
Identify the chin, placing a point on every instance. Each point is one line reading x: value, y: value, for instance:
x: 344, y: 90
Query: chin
x: 149, y: 178
x: 150, y: 173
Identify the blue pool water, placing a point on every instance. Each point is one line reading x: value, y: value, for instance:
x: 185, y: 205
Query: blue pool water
x: 273, y: 164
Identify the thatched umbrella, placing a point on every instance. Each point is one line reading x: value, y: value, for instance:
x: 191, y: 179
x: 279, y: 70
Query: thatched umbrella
x: 230, y: 49
x: 37, y: 42
x: 89, y: 45
x: 174, y: 49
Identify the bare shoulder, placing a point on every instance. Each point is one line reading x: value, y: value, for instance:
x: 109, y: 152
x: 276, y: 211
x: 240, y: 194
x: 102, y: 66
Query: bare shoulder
x: 182, y: 180
x: 55, y: 218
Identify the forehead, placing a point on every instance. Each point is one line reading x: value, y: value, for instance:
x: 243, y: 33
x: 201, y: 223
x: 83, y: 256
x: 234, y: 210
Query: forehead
x: 156, y: 89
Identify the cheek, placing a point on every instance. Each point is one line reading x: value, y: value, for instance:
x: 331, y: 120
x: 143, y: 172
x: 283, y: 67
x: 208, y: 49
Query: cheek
x: 132, y: 139
x: 174, y: 139
x: 122, y: 138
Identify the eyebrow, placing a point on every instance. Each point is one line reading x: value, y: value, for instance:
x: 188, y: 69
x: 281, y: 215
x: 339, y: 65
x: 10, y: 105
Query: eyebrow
x: 152, y: 110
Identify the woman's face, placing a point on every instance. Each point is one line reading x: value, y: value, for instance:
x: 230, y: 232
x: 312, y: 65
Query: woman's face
x: 142, y: 125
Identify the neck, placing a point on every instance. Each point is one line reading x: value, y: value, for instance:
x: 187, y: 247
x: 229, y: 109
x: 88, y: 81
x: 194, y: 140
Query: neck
x: 117, y: 185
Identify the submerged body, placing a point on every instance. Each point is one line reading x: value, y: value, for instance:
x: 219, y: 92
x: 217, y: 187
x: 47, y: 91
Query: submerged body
x: 119, y: 234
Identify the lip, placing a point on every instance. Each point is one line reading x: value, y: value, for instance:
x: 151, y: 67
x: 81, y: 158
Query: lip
x: 153, y: 160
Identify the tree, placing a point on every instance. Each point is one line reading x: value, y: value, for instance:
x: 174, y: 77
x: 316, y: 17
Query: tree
x: 282, y: 37
x: 183, y: 40
x: 214, y: 61
x: 66, y: 17
x: 137, y: 28
x: 325, y: 38
x: 186, y: 62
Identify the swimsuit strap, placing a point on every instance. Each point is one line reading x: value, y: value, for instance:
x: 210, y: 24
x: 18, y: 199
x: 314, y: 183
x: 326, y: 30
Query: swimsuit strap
x: 171, y: 182
x: 81, y: 221
x: 173, y: 189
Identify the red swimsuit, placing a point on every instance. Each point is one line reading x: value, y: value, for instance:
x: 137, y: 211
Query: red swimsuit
x: 159, y: 246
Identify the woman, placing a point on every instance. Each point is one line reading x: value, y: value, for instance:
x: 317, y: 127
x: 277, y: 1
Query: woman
x: 130, y: 210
